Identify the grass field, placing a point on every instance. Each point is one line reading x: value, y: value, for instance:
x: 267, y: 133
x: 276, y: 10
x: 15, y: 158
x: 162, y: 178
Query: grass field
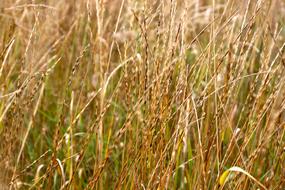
x: 142, y: 94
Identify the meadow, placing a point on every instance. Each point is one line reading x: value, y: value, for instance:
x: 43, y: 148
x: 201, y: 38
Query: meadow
x: 142, y: 94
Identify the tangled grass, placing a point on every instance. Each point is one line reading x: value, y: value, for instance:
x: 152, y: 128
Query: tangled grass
x: 141, y: 94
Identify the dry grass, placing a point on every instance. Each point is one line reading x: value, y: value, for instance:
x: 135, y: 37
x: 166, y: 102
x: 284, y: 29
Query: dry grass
x: 132, y: 94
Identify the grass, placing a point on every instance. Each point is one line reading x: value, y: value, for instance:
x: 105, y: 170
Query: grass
x: 132, y: 94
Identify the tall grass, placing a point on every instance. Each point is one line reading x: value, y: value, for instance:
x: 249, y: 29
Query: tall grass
x: 133, y: 94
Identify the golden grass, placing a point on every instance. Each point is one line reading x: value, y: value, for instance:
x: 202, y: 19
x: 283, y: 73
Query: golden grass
x: 132, y: 94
